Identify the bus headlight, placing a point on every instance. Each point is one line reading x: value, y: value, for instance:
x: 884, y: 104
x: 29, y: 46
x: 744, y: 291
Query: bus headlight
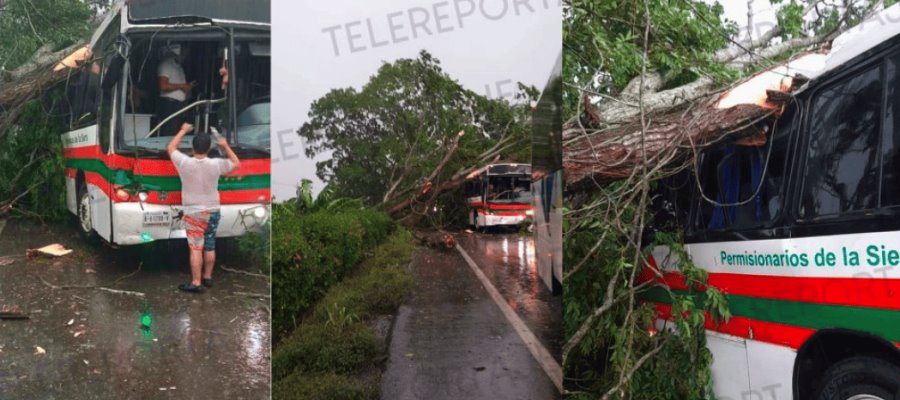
x: 259, y: 212
x: 123, y: 195
x: 143, y: 196
x: 529, y: 213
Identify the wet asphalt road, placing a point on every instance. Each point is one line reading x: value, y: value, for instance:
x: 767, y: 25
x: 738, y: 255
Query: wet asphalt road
x: 213, y: 345
x: 451, y: 341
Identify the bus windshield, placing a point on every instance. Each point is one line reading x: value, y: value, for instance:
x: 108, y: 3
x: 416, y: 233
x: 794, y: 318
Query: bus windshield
x: 509, y: 189
x: 180, y: 75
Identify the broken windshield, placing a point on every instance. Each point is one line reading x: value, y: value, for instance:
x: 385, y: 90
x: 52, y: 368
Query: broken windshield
x: 181, y: 78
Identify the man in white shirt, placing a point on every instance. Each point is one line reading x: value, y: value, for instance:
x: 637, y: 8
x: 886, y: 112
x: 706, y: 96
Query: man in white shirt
x: 200, y: 200
x: 174, y: 89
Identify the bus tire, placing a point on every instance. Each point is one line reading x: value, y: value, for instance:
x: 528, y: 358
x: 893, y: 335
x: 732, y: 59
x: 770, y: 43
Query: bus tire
x: 84, y: 211
x: 475, y: 221
x: 859, y: 376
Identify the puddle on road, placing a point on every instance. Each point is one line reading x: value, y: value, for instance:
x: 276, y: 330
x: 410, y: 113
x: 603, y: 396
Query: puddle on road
x: 213, y: 345
x: 509, y: 262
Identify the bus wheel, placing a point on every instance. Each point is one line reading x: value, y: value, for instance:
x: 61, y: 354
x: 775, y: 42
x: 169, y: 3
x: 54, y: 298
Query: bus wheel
x: 861, y: 378
x: 84, y: 210
x: 475, y: 221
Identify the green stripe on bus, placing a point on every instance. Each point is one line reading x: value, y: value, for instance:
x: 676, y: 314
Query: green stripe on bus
x: 882, y: 322
x: 164, y: 183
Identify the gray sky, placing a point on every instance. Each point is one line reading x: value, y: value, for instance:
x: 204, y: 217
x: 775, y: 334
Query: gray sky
x: 487, y: 45
x: 763, y: 15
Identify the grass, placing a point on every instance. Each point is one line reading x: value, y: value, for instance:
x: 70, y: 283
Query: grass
x: 326, y: 357
x: 326, y: 347
x: 327, y: 386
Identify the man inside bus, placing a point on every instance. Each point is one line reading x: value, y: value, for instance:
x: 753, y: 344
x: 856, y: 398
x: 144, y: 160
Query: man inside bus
x: 173, y: 88
x: 200, y: 200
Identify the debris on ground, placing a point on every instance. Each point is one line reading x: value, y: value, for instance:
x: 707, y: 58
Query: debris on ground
x: 12, y: 312
x: 38, y: 350
x: 439, y: 239
x: 52, y: 250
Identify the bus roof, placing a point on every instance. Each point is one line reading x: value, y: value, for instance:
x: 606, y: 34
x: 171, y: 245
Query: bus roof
x: 226, y: 12
x: 875, y: 30
x: 512, y: 169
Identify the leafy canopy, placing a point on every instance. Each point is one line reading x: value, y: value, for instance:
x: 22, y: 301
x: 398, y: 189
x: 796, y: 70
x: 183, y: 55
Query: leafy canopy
x: 398, y: 127
x: 26, y: 25
x: 603, y: 42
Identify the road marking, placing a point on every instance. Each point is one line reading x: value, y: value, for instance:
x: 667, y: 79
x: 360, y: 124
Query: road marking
x: 538, y: 351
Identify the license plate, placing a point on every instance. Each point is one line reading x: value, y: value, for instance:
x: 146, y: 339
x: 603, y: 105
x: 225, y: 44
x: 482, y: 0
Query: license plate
x: 157, y: 218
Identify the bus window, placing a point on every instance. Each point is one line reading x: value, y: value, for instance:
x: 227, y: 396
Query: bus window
x: 746, y: 182
x: 890, y: 153
x: 842, y: 160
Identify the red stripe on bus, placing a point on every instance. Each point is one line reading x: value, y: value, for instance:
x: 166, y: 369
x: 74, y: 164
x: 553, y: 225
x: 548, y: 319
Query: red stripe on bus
x: 71, y: 173
x: 83, y: 152
x: 158, y: 167
x: 870, y: 292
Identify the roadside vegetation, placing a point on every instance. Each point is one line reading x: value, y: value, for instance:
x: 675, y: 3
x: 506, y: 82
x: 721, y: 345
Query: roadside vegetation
x: 328, y: 345
x: 33, y: 35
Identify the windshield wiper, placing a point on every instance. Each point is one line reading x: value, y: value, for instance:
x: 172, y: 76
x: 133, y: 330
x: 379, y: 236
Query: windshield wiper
x: 238, y: 146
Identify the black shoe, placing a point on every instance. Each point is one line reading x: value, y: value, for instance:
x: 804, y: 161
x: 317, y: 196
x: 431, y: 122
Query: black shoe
x: 190, y: 287
x: 206, y: 282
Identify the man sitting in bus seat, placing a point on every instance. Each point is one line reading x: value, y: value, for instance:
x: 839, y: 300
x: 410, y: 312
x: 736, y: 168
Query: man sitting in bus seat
x: 173, y: 88
x: 200, y: 200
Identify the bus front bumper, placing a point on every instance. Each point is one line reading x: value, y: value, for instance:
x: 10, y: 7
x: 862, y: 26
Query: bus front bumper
x: 500, y: 220
x: 133, y: 224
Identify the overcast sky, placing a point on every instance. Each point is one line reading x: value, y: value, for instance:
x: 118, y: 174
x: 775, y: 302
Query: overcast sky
x: 487, y: 45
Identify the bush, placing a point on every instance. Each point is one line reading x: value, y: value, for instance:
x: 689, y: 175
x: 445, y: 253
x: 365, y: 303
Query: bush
x: 326, y: 347
x: 321, y: 387
x: 313, y: 251
x: 254, y: 248
x: 378, y: 289
x: 31, y: 161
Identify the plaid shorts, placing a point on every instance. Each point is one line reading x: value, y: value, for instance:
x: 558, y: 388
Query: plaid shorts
x: 201, y: 229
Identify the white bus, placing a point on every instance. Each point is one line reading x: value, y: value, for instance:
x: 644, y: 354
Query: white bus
x: 547, y: 181
x: 499, y: 195
x: 803, y: 234
x: 120, y: 182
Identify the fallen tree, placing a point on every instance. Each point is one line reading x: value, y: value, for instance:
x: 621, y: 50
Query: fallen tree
x: 29, y: 81
x: 406, y: 140
x: 603, y: 142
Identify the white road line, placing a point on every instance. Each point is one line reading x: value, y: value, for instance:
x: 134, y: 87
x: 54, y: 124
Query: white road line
x: 538, y: 351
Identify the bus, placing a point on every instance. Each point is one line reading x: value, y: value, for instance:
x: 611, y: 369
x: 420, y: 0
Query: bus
x: 498, y: 195
x: 120, y: 182
x: 802, y: 233
x: 547, y: 181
